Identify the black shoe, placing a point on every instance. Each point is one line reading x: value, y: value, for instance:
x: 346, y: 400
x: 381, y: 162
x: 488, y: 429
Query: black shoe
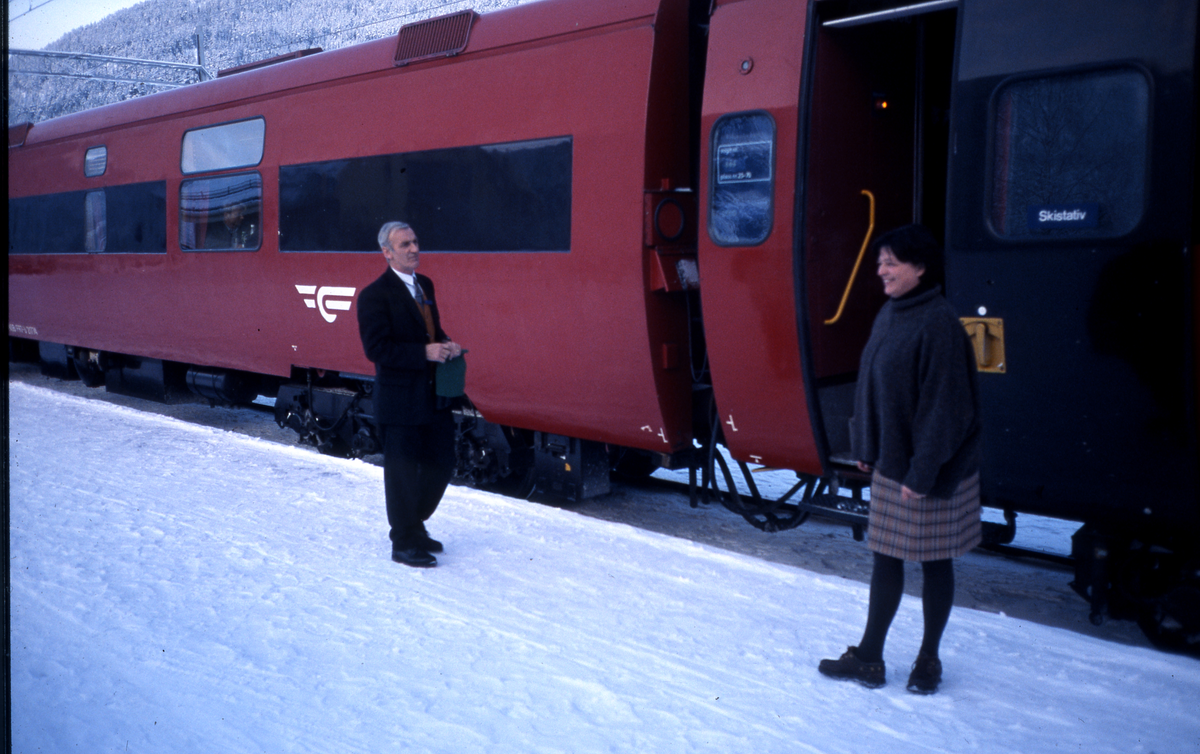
x: 429, y: 544
x: 849, y: 668
x: 414, y: 557
x: 926, y: 674
x: 426, y: 542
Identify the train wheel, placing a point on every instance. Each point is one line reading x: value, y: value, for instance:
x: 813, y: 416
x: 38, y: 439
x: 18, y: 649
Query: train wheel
x: 519, y: 481
x: 1172, y: 622
x: 1157, y: 586
x: 330, y: 444
x: 1165, y: 586
x: 634, y: 464
x: 492, y: 457
x: 88, y: 367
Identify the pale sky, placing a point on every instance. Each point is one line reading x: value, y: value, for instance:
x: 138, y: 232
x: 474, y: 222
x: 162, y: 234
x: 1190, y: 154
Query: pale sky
x: 50, y: 19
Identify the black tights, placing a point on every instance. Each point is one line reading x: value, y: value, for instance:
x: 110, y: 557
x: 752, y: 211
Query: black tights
x: 887, y: 587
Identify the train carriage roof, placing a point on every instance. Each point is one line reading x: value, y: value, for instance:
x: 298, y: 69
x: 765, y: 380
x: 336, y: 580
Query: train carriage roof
x: 518, y: 25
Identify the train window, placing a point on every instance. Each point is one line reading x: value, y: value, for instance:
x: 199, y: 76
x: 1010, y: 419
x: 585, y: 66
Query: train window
x: 95, y: 161
x: 221, y: 213
x: 136, y: 218
x: 129, y: 219
x: 1070, y: 155
x: 223, y: 147
x: 47, y: 224
x: 509, y: 197
x: 95, y: 218
x: 740, y: 209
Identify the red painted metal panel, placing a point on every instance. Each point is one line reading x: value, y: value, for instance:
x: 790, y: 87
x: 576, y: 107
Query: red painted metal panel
x: 754, y: 59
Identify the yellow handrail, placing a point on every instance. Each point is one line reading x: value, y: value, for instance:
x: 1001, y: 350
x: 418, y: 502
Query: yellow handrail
x: 858, y: 262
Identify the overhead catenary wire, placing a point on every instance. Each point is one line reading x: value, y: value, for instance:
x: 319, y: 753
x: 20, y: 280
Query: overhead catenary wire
x: 32, y: 8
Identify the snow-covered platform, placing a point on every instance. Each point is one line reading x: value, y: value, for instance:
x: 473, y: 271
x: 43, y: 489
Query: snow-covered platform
x: 182, y: 589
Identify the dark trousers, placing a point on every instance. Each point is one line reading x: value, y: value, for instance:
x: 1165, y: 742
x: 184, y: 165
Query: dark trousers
x: 418, y: 462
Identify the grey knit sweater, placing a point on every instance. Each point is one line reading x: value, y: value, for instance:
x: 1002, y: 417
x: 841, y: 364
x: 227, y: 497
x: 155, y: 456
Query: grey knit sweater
x: 916, y: 406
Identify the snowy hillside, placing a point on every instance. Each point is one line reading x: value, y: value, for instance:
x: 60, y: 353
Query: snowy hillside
x: 231, y: 32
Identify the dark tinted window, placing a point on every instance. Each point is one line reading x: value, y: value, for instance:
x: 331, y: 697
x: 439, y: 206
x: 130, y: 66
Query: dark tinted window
x: 1070, y: 155
x: 137, y: 217
x: 740, y: 209
x: 120, y: 219
x: 48, y: 224
x: 496, y: 197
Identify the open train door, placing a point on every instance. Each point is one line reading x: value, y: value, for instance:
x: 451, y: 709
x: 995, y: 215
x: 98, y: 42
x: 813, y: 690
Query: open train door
x: 876, y: 104
x: 1069, y: 221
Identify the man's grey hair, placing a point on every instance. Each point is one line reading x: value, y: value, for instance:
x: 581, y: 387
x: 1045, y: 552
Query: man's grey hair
x: 386, y: 231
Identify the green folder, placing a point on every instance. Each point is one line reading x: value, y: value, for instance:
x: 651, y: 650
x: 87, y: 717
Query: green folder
x: 451, y: 378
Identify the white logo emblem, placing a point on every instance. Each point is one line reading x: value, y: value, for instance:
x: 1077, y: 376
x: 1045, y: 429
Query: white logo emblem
x: 328, y: 299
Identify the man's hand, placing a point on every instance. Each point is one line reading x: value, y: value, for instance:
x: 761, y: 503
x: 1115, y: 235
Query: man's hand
x: 442, y: 352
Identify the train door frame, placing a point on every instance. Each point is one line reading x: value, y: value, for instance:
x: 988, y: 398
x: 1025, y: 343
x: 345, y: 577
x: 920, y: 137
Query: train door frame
x: 852, y: 89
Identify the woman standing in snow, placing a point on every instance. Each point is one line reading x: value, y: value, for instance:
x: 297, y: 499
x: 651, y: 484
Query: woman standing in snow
x: 916, y: 427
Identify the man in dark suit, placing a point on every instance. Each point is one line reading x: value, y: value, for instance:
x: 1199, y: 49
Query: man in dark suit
x: 236, y: 231
x: 401, y: 332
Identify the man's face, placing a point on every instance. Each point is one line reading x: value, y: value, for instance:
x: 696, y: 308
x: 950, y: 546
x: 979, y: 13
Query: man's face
x: 233, y: 216
x: 402, y: 251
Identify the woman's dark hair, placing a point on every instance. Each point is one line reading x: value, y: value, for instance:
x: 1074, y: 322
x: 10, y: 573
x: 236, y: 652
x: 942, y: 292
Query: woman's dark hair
x: 916, y: 245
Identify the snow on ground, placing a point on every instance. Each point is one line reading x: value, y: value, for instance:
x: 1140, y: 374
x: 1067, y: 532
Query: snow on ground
x: 177, y: 588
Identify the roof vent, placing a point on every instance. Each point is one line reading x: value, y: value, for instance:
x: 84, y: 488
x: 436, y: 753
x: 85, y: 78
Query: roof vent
x: 439, y: 37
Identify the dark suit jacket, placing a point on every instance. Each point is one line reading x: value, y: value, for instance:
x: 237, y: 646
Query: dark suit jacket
x: 394, y: 337
x: 244, y: 236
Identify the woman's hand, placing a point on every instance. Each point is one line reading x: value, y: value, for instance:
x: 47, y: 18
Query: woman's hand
x: 908, y: 495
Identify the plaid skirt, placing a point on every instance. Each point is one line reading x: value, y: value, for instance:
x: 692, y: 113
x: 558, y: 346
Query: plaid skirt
x: 927, y: 529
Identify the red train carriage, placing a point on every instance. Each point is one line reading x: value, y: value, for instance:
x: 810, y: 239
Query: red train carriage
x: 538, y: 164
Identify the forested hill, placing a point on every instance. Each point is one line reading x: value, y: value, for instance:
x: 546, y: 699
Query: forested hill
x: 231, y: 32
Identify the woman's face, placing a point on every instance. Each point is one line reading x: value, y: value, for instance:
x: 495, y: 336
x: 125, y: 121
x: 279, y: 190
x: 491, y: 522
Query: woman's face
x: 898, y: 277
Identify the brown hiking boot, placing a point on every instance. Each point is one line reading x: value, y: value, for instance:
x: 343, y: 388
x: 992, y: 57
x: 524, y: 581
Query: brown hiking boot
x: 849, y: 668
